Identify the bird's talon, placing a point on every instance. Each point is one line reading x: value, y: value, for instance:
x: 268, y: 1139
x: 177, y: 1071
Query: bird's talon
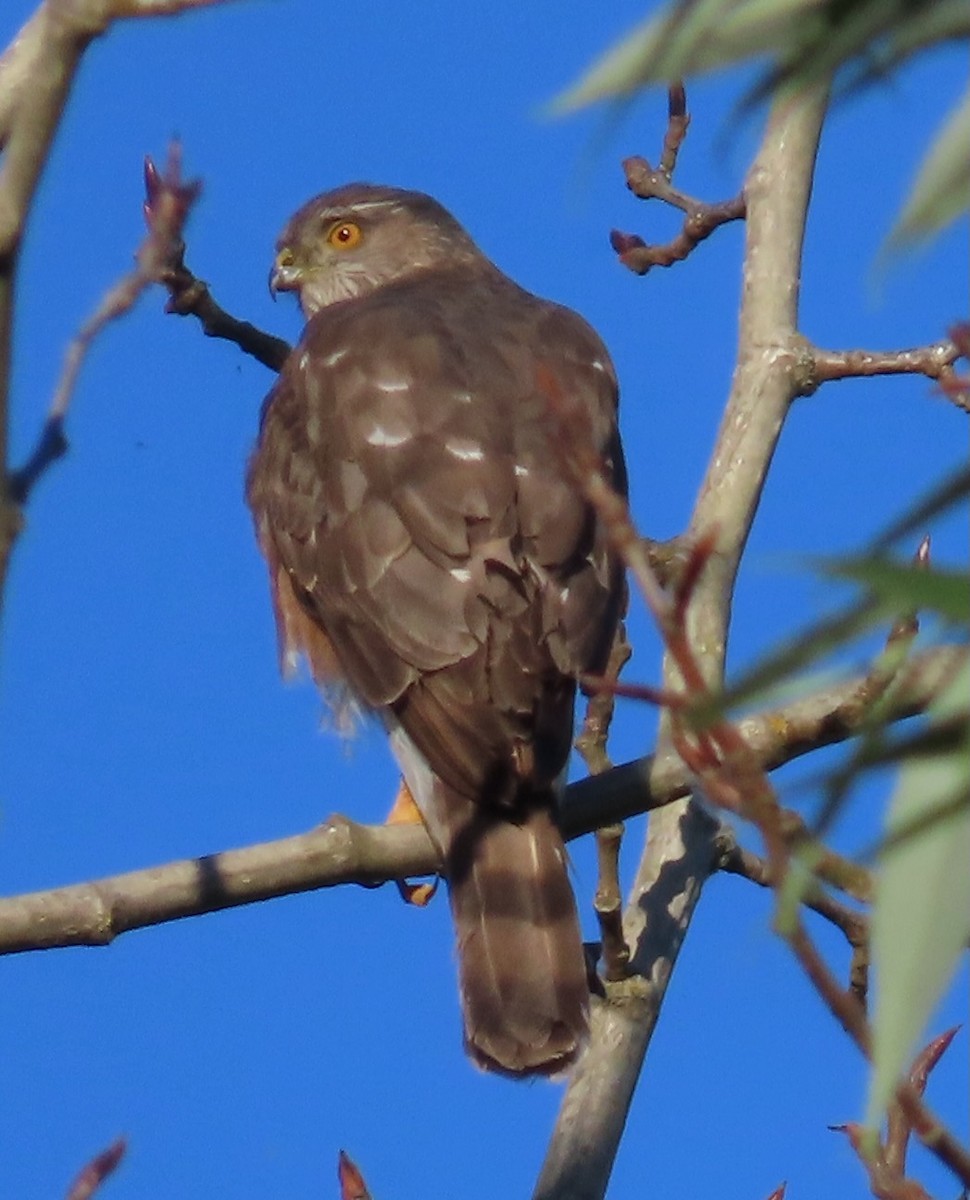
x: 418, y: 894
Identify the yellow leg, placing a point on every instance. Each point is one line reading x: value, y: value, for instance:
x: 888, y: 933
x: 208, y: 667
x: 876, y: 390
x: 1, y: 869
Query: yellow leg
x: 404, y: 811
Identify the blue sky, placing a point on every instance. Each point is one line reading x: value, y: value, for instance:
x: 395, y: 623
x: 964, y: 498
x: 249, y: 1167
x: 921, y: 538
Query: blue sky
x: 143, y: 716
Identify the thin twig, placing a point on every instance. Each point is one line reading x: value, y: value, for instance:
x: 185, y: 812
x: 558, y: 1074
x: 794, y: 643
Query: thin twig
x: 898, y: 1129
x: 608, y: 903
x: 818, y: 366
x: 166, y: 220
x: 734, y: 859
x: 850, y: 1014
x: 592, y: 738
x: 591, y: 744
x: 678, y: 122
x: 649, y: 183
x: 189, y: 296
x: 700, y: 218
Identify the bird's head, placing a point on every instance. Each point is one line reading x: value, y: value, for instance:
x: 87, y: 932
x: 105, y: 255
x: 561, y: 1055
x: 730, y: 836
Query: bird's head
x: 348, y: 242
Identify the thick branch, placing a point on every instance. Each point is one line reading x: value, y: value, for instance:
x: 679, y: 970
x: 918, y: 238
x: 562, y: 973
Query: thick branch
x: 680, y: 842
x: 340, y: 852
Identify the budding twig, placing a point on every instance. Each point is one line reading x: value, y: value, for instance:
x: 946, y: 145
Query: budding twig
x: 189, y: 296
x: 166, y: 217
x: 654, y: 183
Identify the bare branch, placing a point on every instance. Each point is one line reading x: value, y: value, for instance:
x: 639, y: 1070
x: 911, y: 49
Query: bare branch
x: 166, y: 221
x: 36, y: 74
x: 649, y: 183
x: 340, y: 852
x: 94, y: 914
x: 700, y: 218
x: 189, y: 296
x: 735, y: 860
x: 591, y: 744
x: 935, y: 361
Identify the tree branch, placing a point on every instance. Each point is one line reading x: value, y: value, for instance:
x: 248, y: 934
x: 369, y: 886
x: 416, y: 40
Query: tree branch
x: 190, y: 296
x: 733, y: 859
x: 166, y: 220
x: 649, y: 183
x: 36, y: 74
x: 591, y: 745
x: 341, y: 852
x: 680, y: 840
x: 935, y: 361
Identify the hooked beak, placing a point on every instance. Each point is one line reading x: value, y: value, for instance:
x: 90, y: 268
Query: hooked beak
x: 285, y: 275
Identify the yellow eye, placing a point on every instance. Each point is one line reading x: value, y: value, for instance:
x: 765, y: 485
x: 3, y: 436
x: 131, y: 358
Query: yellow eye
x: 344, y: 235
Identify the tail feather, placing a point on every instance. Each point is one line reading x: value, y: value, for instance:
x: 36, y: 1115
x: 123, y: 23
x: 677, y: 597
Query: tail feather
x: 522, y: 971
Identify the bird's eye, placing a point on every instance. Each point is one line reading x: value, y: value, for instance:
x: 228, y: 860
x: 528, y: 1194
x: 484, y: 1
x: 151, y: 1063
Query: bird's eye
x: 344, y: 235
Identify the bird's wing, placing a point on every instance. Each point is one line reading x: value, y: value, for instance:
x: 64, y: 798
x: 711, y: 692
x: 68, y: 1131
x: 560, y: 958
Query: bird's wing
x: 410, y: 492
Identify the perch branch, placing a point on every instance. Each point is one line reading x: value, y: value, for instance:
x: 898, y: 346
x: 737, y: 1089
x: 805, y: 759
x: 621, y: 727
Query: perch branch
x: 339, y: 852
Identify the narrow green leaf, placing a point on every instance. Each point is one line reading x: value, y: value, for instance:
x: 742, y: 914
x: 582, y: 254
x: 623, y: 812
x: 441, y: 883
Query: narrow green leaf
x: 908, y: 586
x: 623, y: 69
x: 942, y: 188
x: 688, y: 38
x: 921, y: 916
x: 780, y: 666
x: 943, y: 497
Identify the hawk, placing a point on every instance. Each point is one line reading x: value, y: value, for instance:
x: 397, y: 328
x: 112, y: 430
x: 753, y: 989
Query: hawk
x: 431, y: 557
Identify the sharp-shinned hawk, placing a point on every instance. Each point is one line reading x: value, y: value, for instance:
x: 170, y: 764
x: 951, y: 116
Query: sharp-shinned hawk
x: 432, y: 557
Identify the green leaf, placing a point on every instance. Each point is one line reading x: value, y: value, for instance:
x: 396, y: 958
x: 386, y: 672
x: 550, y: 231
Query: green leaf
x: 779, y: 667
x: 686, y: 39
x: 907, y: 586
x: 808, y: 39
x: 942, y: 188
x: 942, y: 498
x: 921, y: 915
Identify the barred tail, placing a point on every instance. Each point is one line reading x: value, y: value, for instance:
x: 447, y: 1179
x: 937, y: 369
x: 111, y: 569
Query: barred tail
x: 522, y: 971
